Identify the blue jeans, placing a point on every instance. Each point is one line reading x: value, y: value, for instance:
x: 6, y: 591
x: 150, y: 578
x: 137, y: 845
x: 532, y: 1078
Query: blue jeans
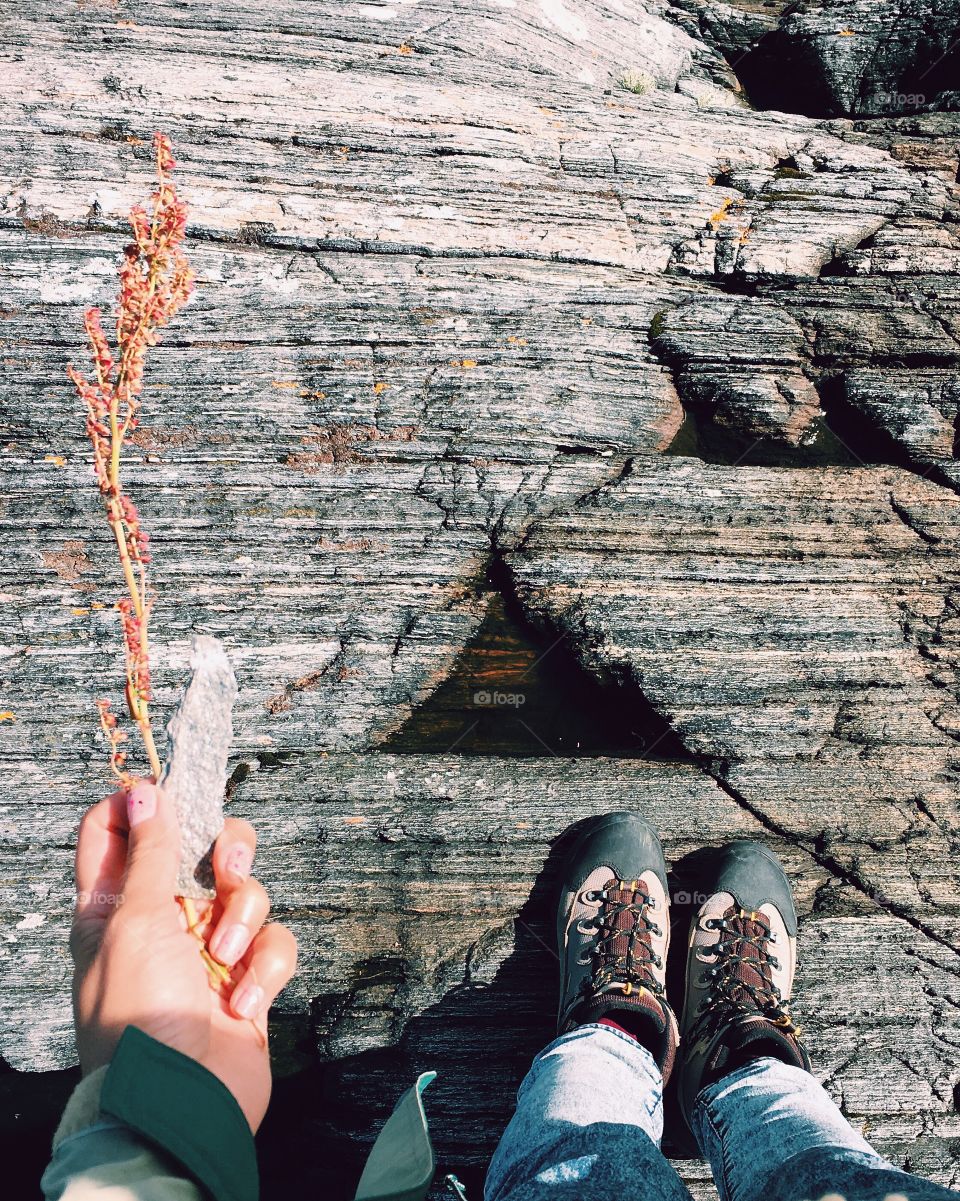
x: 589, y: 1121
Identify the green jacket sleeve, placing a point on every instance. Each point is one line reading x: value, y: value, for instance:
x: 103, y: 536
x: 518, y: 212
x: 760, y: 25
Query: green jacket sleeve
x: 153, y: 1125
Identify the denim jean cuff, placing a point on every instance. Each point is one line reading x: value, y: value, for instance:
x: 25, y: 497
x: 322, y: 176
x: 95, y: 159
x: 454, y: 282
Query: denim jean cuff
x: 597, y: 1029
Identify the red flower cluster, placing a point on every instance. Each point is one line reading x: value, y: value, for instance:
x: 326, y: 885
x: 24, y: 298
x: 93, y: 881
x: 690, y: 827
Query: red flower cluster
x: 155, y: 277
x: 155, y: 283
x: 138, y: 665
x: 138, y: 540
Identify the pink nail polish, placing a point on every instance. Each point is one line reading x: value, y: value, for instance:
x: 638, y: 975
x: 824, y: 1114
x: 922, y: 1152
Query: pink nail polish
x: 240, y: 860
x: 141, y: 803
x: 247, y: 1000
x: 228, y: 945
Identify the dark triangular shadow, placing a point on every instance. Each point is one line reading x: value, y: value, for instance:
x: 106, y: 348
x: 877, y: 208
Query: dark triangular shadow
x: 518, y: 689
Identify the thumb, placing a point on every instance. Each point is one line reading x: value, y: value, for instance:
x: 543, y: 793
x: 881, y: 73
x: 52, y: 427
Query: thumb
x: 153, y: 847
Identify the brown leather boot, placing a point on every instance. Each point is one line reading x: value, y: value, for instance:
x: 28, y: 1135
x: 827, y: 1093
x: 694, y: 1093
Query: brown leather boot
x: 613, y: 931
x: 740, y: 967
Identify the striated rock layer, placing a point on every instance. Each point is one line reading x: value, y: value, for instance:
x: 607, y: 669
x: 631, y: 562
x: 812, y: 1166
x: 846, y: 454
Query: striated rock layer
x: 515, y: 308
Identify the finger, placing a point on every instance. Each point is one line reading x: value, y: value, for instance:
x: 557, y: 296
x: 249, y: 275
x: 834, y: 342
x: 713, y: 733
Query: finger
x: 101, y: 855
x: 233, y: 855
x: 242, y: 917
x: 269, y: 964
x: 153, y: 850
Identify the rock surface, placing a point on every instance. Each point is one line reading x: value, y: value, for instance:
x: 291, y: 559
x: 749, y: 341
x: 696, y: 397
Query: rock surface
x: 501, y: 309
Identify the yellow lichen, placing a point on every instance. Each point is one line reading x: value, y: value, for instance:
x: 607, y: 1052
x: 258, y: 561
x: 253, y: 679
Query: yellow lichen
x: 721, y: 213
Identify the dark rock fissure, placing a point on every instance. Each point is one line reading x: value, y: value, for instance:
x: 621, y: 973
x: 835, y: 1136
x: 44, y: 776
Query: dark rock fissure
x: 835, y: 59
x: 841, y: 438
x: 732, y: 415
x: 518, y: 689
x: 814, y: 848
x: 701, y: 438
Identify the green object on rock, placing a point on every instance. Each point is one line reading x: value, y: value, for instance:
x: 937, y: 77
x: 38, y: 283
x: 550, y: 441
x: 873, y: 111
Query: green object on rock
x: 402, y: 1163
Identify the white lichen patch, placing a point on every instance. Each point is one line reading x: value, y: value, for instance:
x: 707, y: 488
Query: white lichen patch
x: 83, y: 284
x: 375, y: 12
x: 563, y: 19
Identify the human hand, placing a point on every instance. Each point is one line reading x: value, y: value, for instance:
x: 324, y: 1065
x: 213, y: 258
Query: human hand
x: 137, y: 964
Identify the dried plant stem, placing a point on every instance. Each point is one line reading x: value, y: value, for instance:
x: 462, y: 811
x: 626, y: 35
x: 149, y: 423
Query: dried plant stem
x: 218, y: 972
x: 137, y: 703
x: 155, y: 282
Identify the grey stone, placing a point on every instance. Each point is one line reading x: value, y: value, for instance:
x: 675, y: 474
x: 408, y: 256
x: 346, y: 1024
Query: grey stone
x: 195, y: 773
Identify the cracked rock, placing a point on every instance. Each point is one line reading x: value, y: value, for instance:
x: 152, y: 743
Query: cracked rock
x: 459, y: 293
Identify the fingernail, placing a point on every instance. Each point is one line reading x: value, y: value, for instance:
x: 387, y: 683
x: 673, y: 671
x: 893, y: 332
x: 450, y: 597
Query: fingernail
x: 228, y: 945
x: 240, y: 860
x: 141, y: 803
x: 247, y: 1000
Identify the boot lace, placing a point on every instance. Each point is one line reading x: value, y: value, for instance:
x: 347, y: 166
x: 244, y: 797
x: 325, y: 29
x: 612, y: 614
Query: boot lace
x: 741, y: 978
x: 623, y: 953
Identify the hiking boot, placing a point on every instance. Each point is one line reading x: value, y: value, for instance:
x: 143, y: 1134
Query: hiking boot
x: 740, y: 965
x: 613, y: 929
